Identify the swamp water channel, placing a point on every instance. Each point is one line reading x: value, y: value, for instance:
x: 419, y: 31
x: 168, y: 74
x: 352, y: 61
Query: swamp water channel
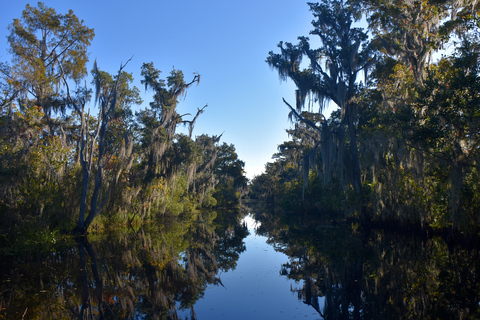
x: 250, y: 265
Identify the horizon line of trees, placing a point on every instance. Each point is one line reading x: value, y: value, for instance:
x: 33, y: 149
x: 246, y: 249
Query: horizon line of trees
x: 404, y: 142
x: 61, y: 166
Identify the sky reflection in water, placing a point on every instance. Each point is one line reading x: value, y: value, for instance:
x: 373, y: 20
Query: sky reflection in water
x: 255, y: 289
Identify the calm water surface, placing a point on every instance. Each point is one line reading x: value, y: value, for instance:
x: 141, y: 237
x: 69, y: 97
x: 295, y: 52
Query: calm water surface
x: 255, y: 289
x: 225, y: 265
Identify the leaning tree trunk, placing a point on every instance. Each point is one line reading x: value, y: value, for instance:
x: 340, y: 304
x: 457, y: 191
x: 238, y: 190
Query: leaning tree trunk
x: 107, y: 103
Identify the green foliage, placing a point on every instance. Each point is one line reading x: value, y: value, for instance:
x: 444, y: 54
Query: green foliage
x: 29, y: 239
x: 177, y: 199
x: 35, y: 177
x: 48, y: 49
x: 151, y: 270
x: 331, y: 76
x: 411, y: 125
x: 125, y: 168
x: 229, y: 171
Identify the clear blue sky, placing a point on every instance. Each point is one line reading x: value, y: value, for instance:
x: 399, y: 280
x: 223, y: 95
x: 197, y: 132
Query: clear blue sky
x: 226, y: 42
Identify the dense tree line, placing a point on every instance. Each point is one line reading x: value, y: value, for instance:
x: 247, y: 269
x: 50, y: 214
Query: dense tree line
x: 403, y: 144
x: 72, y: 151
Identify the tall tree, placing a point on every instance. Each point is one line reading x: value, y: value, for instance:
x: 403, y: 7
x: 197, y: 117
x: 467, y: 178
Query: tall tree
x: 412, y: 129
x: 120, y: 137
x: 95, y: 155
x: 411, y: 30
x: 447, y: 125
x: 48, y: 50
x: 333, y: 71
x: 161, y: 121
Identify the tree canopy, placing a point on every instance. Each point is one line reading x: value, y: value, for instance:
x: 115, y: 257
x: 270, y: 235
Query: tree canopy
x: 403, y: 142
x: 48, y: 51
x: 60, y: 163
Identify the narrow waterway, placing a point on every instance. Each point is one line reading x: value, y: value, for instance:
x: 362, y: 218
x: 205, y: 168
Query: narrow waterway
x: 254, y: 289
x: 216, y: 266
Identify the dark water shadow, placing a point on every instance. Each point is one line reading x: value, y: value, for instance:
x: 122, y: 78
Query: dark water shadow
x: 349, y: 273
x: 148, y: 273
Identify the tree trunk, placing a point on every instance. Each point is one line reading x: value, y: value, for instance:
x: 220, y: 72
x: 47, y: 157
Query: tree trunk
x: 356, y: 174
x: 83, y: 202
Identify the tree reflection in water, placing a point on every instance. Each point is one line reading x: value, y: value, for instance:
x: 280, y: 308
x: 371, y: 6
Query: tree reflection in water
x: 86, y: 306
x: 162, y: 268
x: 146, y: 274
x: 345, y: 273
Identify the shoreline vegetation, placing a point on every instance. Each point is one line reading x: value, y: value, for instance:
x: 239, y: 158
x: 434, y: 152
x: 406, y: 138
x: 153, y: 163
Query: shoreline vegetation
x: 65, y: 168
x: 402, y: 150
